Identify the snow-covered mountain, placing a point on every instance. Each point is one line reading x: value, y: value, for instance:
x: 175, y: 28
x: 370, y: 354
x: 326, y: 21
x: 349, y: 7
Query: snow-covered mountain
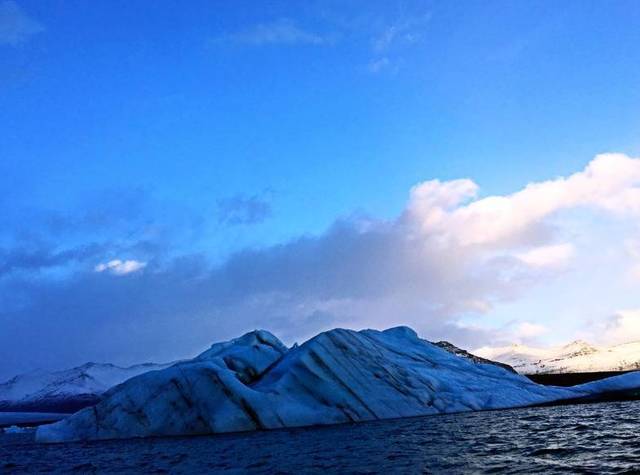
x: 576, y: 357
x: 66, y: 390
x: 255, y: 382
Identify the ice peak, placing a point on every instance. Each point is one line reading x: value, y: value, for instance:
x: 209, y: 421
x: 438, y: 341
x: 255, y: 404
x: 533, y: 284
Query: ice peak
x: 252, y: 338
x: 401, y: 331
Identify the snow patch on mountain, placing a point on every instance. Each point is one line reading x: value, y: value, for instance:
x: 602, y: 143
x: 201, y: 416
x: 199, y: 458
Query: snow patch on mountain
x: 576, y: 357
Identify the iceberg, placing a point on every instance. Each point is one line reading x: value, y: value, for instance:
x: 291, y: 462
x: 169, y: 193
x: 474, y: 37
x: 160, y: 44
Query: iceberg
x: 15, y: 430
x: 254, y: 382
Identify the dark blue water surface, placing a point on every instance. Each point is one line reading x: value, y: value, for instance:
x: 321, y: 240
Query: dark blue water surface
x: 596, y: 438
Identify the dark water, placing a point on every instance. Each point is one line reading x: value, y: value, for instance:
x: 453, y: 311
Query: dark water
x: 597, y: 438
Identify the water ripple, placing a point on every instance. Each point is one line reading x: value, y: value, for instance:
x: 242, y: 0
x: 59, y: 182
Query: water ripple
x: 598, y: 438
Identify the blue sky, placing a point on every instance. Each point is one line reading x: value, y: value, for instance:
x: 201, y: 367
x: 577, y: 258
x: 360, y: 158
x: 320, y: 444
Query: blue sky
x: 221, y: 134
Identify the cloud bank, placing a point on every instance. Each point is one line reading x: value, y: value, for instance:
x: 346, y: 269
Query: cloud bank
x: 448, y: 254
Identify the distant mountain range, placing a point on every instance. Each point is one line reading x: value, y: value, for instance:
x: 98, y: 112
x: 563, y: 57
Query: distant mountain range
x: 67, y: 390
x: 576, y: 357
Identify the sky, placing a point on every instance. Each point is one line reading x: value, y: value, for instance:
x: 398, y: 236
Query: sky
x: 177, y: 173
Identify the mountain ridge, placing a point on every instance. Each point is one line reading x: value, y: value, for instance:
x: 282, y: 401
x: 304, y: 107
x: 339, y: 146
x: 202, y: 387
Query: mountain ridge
x: 67, y: 390
x: 576, y: 357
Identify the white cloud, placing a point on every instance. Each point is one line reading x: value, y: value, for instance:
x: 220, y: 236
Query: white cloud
x: 527, y: 330
x: 283, y: 31
x: 622, y: 327
x: 432, y: 200
x: 553, y: 256
x: 632, y: 248
x: 15, y: 25
x: 119, y: 267
x: 611, y: 182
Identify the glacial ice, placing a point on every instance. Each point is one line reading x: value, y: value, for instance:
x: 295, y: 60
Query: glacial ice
x: 254, y: 382
x: 14, y: 430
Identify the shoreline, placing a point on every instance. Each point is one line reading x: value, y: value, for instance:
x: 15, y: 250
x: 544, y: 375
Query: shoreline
x: 572, y: 379
x: 29, y: 419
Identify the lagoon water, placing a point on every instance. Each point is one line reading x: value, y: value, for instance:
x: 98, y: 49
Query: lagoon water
x: 12, y: 418
x: 596, y: 438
